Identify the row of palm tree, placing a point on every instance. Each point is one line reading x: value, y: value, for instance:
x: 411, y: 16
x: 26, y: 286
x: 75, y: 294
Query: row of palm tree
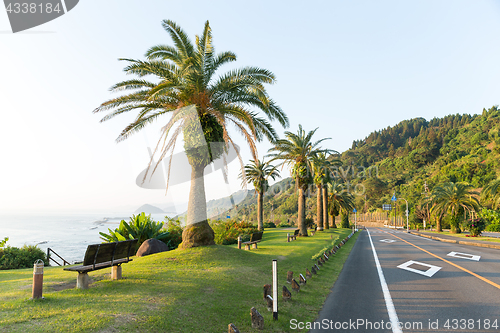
x: 310, y: 164
x: 459, y: 200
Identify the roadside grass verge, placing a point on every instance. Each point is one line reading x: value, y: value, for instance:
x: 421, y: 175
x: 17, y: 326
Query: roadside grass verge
x: 195, y: 290
x: 480, y: 238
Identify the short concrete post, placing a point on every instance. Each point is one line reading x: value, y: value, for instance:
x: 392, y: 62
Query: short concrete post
x: 116, y: 272
x: 288, y: 238
x: 82, y: 281
x: 37, y: 279
x: 239, y: 242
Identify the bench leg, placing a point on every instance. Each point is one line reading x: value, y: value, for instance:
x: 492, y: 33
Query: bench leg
x: 254, y: 246
x: 116, y: 272
x: 82, y: 281
x: 247, y: 246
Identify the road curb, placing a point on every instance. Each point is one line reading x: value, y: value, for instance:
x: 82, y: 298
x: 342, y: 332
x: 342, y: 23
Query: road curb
x: 491, y: 246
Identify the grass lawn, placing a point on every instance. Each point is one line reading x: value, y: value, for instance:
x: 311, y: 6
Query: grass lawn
x: 195, y: 290
x: 480, y: 238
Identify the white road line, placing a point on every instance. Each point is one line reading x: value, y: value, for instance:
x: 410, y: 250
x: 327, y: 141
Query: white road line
x: 391, y: 310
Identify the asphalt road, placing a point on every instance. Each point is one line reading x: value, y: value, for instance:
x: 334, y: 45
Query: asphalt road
x: 430, y: 291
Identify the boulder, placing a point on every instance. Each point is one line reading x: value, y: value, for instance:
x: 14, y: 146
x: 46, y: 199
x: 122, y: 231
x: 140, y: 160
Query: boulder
x: 151, y: 246
x: 198, y: 234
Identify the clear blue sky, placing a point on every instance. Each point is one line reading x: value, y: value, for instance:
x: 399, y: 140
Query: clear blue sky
x: 347, y: 67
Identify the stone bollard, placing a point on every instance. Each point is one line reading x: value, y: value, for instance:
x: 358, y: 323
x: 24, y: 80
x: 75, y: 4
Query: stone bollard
x: 308, y: 273
x: 313, y: 270
x: 289, y: 276
x: 302, y: 280
x: 267, y: 290
x: 232, y: 329
x: 37, y: 279
x: 317, y: 268
x: 288, y: 238
x: 239, y: 242
x: 295, y: 286
x: 287, y: 295
x: 269, y: 300
x: 257, y: 319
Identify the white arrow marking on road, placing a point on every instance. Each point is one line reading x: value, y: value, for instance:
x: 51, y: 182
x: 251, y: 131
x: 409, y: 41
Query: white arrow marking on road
x: 388, y: 240
x: 464, y: 256
x: 430, y: 272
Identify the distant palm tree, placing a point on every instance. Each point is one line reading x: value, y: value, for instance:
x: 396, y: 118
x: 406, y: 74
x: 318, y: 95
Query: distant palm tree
x: 492, y: 192
x: 455, y: 199
x: 341, y: 202
x: 329, y: 165
x: 200, y: 104
x: 258, y: 173
x: 297, y: 151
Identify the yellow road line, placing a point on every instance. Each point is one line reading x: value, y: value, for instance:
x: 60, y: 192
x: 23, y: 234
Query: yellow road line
x: 448, y: 262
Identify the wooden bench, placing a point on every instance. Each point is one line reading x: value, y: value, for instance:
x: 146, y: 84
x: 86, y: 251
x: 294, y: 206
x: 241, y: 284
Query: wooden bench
x: 254, y: 239
x: 99, y: 256
x: 294, y: 236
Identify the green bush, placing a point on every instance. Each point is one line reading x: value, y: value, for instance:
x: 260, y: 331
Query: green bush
x: 284, y: 225
x: 174, y: 229
x: 227, y: 232
x: 269, y: 225
x: 141, y: 227
x: 25, y: 257
x: 475, y: 226
x: 491, y: 218
x: 3, y: 242
x: 344, y: 220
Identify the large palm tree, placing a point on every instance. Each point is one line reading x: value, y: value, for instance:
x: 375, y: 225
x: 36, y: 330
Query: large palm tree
x: 341, y: 202
x: 199, y: 105
x: 492, y: 192
x: 258, y: 173
x: 455, y: 199
x: 297, y: 151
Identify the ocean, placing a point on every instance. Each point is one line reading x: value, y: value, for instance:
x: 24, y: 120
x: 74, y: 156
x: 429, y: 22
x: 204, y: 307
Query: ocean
x: 67, y: 235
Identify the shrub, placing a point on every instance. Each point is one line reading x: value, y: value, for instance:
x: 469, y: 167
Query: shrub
x: 475, y: 226
x: 227, y: 232
x: 344, y: 220
x: 309, y: 223
x: 284, y: 225
x: 141, y: 227
x: 174, y: 229
x: 3, y: 242
x: 15, y: 258
x: 269, y: 225
x: 491, y: 218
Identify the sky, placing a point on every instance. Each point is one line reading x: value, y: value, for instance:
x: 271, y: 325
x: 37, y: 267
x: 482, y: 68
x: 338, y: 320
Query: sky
x: 346, y: 68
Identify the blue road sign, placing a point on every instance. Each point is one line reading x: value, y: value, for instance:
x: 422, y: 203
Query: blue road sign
x: 354, y: 210
x: 394, y: 198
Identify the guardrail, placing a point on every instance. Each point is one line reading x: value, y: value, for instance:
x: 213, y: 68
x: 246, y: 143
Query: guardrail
x: 49, y: 258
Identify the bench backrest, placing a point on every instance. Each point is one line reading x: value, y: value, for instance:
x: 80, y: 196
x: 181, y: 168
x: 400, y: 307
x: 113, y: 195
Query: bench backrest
x: 99, y: 253
x: 296, y: 233
x: 256, y: 236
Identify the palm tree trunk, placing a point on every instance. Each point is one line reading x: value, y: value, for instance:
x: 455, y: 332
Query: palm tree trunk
x: 326, y: 221
x: 260, y: 212
x: 197, y: 231
x: 319, y: 207
x: 301, y: 218
x: 438, y: 222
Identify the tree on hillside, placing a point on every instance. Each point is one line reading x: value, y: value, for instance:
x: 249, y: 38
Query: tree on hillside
x: 330, y: 164
x: 200, y: 104
x: 258, y: 173
x: 455, y: 199
x: 297, y: 151
x: 491, y: 192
